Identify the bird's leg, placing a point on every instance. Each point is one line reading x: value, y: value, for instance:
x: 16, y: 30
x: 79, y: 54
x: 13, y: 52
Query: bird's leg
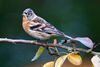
x: 55, y: 43
x: 48, y: 48
x: 53, y: 50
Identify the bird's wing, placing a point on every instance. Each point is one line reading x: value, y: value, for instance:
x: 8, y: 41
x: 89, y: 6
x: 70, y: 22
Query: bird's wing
x: 47, y: 28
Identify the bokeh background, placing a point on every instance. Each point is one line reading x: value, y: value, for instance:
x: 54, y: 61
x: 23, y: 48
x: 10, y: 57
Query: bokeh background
x: 73, y: 17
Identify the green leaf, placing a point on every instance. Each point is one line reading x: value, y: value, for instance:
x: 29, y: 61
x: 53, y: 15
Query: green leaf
x: 38, y: 53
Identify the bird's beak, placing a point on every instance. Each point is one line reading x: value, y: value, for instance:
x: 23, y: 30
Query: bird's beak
x: 23, y: 13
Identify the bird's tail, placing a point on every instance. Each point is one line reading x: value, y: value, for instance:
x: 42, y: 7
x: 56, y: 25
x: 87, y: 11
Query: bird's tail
x: 66, y: 36
x: 63, y: 35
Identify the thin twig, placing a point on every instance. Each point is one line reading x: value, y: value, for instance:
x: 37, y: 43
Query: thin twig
x: 21, y: 41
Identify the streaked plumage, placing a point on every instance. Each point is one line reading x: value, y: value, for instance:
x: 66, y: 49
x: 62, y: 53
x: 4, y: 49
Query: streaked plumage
x: 39, y: 28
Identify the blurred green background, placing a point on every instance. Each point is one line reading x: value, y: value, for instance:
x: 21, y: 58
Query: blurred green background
x: 73, y: 17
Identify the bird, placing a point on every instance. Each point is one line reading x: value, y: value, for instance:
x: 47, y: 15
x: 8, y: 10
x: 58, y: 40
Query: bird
x: 39, y: 28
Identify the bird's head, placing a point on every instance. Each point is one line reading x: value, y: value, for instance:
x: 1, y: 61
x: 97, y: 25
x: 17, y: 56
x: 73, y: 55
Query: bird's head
x: 29, y: 13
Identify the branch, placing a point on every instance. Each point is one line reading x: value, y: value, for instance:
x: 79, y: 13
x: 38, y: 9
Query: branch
x: 21, y: 41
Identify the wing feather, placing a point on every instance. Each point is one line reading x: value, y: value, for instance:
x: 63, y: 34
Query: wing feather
x: 50, y: 29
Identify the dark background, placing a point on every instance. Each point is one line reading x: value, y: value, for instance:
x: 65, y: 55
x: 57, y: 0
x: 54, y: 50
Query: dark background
x: 73, y: 17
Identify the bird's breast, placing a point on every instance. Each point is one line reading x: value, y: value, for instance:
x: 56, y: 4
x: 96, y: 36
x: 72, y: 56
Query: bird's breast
x: 34, y: 33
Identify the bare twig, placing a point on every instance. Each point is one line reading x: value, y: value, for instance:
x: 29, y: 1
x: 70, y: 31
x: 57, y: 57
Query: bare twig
x: 21, y: 41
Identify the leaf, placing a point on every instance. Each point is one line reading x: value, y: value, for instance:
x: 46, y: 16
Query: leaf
x: 96, y: 61
x: 85, y: 41
x: 59, y: 62
x: 49, y: 64
x: 74, y: 58
x: 38, y: 53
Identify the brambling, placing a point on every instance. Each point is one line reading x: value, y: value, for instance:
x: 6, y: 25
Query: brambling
x: 39, y: 28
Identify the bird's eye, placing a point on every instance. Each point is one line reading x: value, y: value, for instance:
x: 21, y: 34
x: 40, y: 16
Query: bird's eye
x: 25, y: 13
x: 29, y: 14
